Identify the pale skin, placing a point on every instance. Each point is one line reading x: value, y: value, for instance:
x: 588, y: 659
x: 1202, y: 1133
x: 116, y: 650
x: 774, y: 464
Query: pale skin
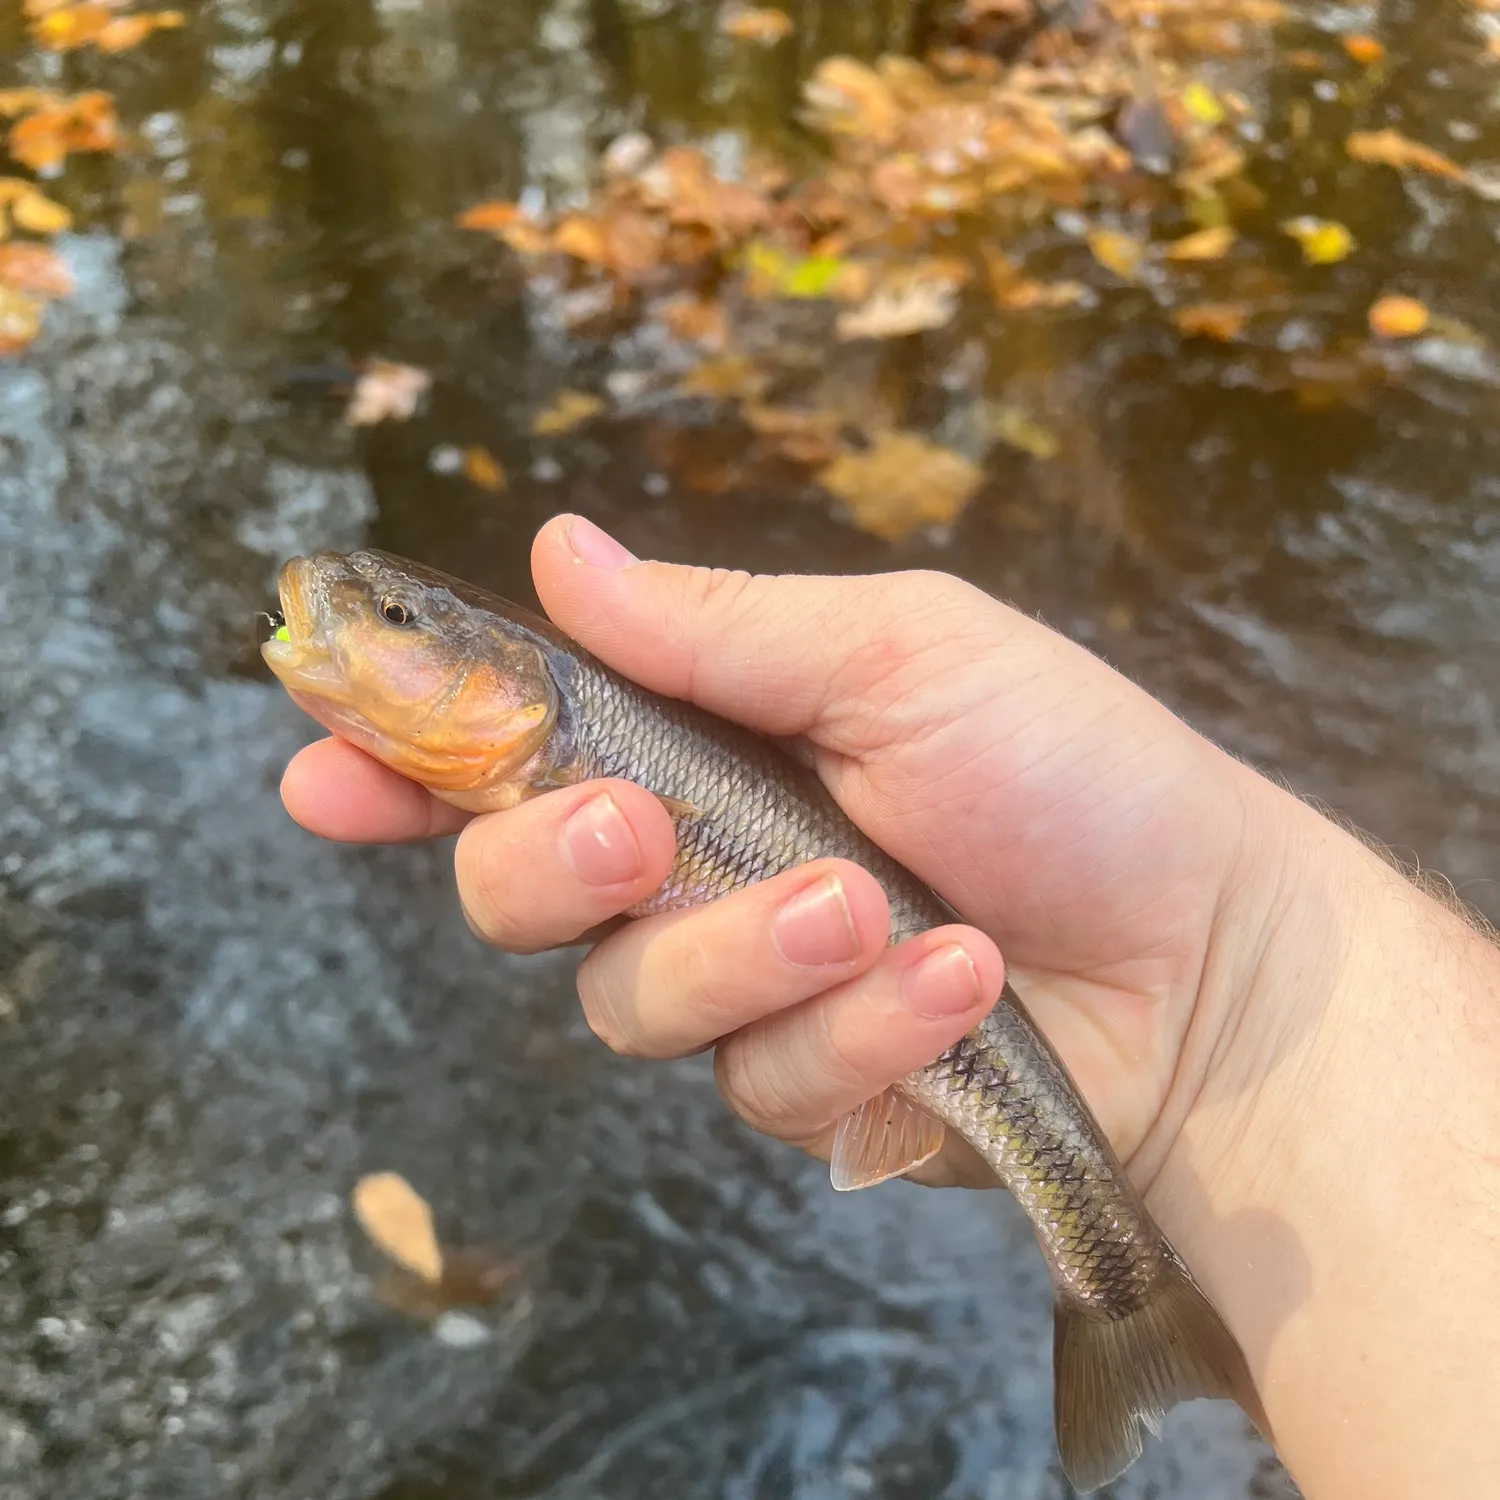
x: 1295, y: 1051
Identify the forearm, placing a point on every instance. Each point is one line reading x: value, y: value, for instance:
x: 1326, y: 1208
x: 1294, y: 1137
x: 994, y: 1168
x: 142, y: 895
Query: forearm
x: 1341, y: 1177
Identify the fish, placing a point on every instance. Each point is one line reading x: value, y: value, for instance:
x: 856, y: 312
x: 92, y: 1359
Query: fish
x: 487, y: 705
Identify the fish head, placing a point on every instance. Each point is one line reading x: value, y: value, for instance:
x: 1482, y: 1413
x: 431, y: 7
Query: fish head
x: 395, y: 659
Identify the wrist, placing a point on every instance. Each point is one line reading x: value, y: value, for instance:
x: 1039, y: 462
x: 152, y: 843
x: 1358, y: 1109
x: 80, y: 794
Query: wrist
x: 1336, y: 1178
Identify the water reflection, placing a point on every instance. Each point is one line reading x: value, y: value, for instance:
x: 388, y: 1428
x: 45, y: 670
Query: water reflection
x: 210, y: 1025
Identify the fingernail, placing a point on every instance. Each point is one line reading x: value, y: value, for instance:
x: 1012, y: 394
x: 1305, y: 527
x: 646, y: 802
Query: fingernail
x: 815, y: 928
x: 599, y: 846
x: 597, y: 548
x: 942, y: 984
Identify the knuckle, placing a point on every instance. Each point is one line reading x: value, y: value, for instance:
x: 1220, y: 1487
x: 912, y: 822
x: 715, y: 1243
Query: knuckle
x: 486, y: 891
x: 753, y: 1088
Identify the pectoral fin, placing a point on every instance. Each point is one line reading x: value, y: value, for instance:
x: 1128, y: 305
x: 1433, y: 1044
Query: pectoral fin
x: 679, y: 808
x: 885, y: 1137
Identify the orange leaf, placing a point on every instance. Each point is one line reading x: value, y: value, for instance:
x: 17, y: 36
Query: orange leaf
x: 36, y: 213
x: 1206, y: 244
x: 35, y: 268
x: 847, y: 98
x: 758, y: 24
x: 65, y: 27
x: 583, y: 239
x: 1389, y: 148
x: 20, y: 318
x: 399, y: 1223
x: 129, y: 31
x: 1118, y: 252
x: 483, y: 469
x: 1212, y: 320
x: 1365, y: 50
x: 1396, y: 317
x: 491, y: 216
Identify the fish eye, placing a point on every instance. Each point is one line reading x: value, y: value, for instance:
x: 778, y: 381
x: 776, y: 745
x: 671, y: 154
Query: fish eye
x: 394, y: 612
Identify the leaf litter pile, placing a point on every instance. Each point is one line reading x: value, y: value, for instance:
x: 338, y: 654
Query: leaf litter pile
x: 1010, y: 183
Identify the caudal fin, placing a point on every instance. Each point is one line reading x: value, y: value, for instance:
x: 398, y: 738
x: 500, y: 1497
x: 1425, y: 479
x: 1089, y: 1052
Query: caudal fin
x: 1115, y: 1376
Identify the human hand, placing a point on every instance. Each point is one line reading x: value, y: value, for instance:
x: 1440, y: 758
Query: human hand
x: 1218, y: 966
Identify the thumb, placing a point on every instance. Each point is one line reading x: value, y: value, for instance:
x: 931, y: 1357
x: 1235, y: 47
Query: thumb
x: 783, y: 654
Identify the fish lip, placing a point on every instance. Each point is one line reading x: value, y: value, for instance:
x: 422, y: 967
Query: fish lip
x: 303, y: 661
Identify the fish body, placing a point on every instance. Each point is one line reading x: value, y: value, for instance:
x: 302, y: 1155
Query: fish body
x: 487, y: 705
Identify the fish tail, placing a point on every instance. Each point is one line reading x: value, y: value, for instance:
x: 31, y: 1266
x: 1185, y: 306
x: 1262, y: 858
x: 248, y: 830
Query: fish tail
x: 1113, y: 1376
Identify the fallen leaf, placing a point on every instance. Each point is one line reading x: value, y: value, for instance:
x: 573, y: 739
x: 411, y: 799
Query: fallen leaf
x: 901, y: 484
x: 847, y: 98
x: 1224, y: 321
x: 36, y: 213
x: 483, y: 469
x: 773, y: 272
x: 35, y: 268
x: 1119, y: 617
x: 62, y: 28
x: 1202, y: 104
x: 1365, y: 50
x: 1204, y: 244
x: 1116, y: 251
x: 732, y: 378
x: 1014, y: 427
x: 52, y: 127
x: 1323, y: 241
x: 509, y: 224
x: 758, y: 24
x: 805, y: 437
x: 569, y: 410
x: 20, y: 318
x: 906, y: 302
x: 1396, y: 317
x: 386, y: 390
x: 129, y: 31
x: 399, y: 1223
x: 696, y: 320
x: 1389, y: 148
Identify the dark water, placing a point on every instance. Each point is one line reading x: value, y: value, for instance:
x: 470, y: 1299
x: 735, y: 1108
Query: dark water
x: 211, y: 1025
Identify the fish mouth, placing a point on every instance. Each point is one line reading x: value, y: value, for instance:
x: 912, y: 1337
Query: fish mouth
x: 299, y: 652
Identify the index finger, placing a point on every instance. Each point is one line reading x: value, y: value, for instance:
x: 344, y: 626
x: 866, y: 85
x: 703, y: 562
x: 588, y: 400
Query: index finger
x: 340, y: 793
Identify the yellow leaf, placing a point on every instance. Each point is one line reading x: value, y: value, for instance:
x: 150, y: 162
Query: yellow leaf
x: 566, y: 412
x: 399, y: 1223
x: 1202, y: 104
x: 1205, y: 244
x: 482, y: 468
x: 901, y: 484
x: 758, y: 24
x: 36, y: 213
x: 1389, y: 148
x: 1116, y: 251
x: 1396, y: 317
x: 1014, y: 427
x: 20, y: 318
x: 1323, y: 241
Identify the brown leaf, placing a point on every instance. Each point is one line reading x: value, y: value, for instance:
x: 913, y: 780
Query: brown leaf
x: 1389, y: 148
x: 386, y: 390
x: 804, y: 437
x: 482, y: 468
x: 758, y: 24
x: 732, y: 378
x: 1396, y: 317
x: 908, y: 300
x: 696, y: 320
x: 901, y: 484
x: 20, y: 318
x: 569, y: 410
x: 399, y: 1223
x: 1224, y: 321
x: 1205, y: 244
x: 847, y: 98
x: 35, y: 268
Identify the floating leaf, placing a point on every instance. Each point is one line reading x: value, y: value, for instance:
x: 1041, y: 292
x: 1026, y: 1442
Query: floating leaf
x: 1202, y: 104
x: 483, y: 469
x: 30, y: 208
x: 1365, y: 50
x: 1014, y: 427
x: 758, y: 24
x: 847, y: 98
x: 1205, y: 244
x: 1396, y: 317
x: 901, y: 484
x: 772, y: 272
x: 1116, y: 251
x: 1389, y: 148
x: 1323, y: 241
x: 911, y: 300
x: 53, y: 127
x: 696, y: 320
x: 1224, y: 321
x: 35, y: 268
x: 399, y: 1223
x: 805, y: 437
x: 20, y: 318
x: 569, y: 410
x: 385, y: 391
x: 732, y: 378
x: 62, y: 28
